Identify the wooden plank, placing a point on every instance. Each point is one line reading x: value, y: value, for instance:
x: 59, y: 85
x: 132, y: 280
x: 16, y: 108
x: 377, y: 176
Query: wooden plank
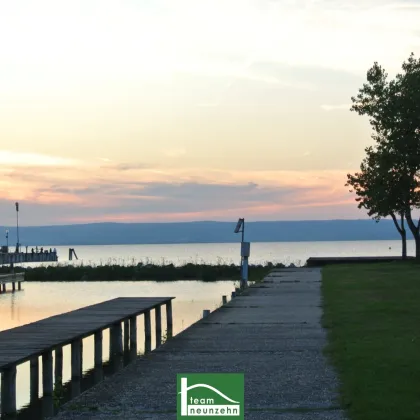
x: 20, y: 344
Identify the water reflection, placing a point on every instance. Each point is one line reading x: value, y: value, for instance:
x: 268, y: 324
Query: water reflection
x: 41, y: 300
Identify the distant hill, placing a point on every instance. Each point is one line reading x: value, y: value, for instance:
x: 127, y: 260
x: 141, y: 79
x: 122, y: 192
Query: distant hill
x: 202, y: 232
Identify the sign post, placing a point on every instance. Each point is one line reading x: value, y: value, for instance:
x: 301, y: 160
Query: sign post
x: 245, y: 252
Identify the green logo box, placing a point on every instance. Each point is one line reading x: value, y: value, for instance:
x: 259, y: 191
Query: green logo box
x: 210, y: 395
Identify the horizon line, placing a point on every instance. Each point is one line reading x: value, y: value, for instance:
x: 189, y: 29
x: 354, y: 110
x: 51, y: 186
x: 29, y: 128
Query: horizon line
x: 193, y: 222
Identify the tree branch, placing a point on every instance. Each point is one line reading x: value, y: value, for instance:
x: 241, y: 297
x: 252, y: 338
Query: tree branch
x: 394, y: 218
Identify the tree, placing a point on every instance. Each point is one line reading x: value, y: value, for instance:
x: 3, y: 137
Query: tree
x: 393, y: 108
x: 378, y: 192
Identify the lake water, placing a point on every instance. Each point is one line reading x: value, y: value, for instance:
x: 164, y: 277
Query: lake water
x: 284, y: 252
x: 40, y: 300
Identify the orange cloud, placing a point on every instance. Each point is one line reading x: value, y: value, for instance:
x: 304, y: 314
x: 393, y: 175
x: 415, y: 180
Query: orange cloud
x: 106, y: 191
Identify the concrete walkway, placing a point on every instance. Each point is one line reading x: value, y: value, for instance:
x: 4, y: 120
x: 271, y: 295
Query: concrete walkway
x: 272, y: 333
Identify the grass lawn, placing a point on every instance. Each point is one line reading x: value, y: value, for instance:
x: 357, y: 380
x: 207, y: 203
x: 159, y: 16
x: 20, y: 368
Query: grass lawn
x: 372, y: 313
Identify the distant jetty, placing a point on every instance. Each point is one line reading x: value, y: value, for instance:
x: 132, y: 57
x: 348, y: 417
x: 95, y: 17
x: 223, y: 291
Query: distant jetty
x: 8, y: 258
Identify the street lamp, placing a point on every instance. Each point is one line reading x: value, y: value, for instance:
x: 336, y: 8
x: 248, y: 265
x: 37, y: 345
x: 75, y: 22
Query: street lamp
x: 7, y: 239
x: 245, y: 252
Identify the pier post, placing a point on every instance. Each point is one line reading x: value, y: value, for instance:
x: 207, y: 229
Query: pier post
x: 8, y: 391
x: 224, y: 299
x: 13, y: 286
x: 147, y: 332
x: 47, y: 384
x: 75, y: 367
x: 126, y: 335
x: 4, y: 287
x: 158, y: 325
x: 58, y: 368
x: 117, y: 339
x: 19, y: 285
x: 116, y: 347
x: 169, y: 322
x: 34, y: 379
x: 47, y: 374
x: 98, y: 372
x: 133, y: 336
x: 206, y: 312
x: 81, y: 359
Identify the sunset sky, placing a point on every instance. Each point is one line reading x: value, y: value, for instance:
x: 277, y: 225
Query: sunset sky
x: 131, y: 110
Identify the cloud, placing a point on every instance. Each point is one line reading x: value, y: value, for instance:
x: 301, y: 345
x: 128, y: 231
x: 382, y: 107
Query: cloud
x: 131, y: 166
x: 8, y: 157
x: 96, y: 192
x: 336, y: 107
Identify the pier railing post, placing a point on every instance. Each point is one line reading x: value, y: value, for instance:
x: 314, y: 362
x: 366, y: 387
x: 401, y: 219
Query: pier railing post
x: 19, y: 285
x: 47, y: 374
x: 13, y: 286
x: 8, y: 391
x: 133, y: 336
x: 76, y: 349
x: 34, y: 378
x: 98, y: 371
x: 116, y: 346
x: 158, y: 325
x: 118, y: 339
x: 47, y: 383
x: 81, y: 359
x: 58, y: 368
x: 147, y: 332
x: 126, y: 335
x: 169, y: 321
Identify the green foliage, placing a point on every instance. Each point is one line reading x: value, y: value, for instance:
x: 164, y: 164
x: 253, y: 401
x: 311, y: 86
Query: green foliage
x: 372, y: 314
x: 388, y: 182
x: 145, y: 272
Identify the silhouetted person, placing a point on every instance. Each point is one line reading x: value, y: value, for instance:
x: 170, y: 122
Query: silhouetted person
x: 32, y: 251
x: 42, y: 249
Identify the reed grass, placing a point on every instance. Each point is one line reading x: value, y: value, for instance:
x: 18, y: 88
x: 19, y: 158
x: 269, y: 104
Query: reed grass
x: 130, y: 270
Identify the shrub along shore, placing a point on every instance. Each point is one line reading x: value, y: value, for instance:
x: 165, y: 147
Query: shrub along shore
x: 143, y: 272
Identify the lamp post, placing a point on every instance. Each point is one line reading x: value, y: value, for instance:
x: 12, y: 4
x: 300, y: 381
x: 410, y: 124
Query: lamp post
x: 7, y: 239
x: 17, y: 226
x: 245, y: 252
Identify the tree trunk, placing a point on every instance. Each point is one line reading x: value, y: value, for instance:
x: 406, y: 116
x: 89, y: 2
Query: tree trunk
x: 403, y: 238
x: 404, y: 245
x: 402, y: 232
x: 415, y: 231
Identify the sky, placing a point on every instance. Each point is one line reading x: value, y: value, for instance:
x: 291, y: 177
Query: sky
x: 145, y: 111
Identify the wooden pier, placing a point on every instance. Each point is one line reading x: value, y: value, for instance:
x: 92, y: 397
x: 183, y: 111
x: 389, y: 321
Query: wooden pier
x: 12, y: 278
x: 42, y: 338
x: 7, y: 258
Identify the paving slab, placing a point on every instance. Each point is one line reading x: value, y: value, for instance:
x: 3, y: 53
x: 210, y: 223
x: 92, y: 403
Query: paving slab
x: 272, y: 334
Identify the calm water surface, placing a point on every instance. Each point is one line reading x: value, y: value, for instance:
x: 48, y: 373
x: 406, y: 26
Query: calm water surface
x: 284, y: 252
